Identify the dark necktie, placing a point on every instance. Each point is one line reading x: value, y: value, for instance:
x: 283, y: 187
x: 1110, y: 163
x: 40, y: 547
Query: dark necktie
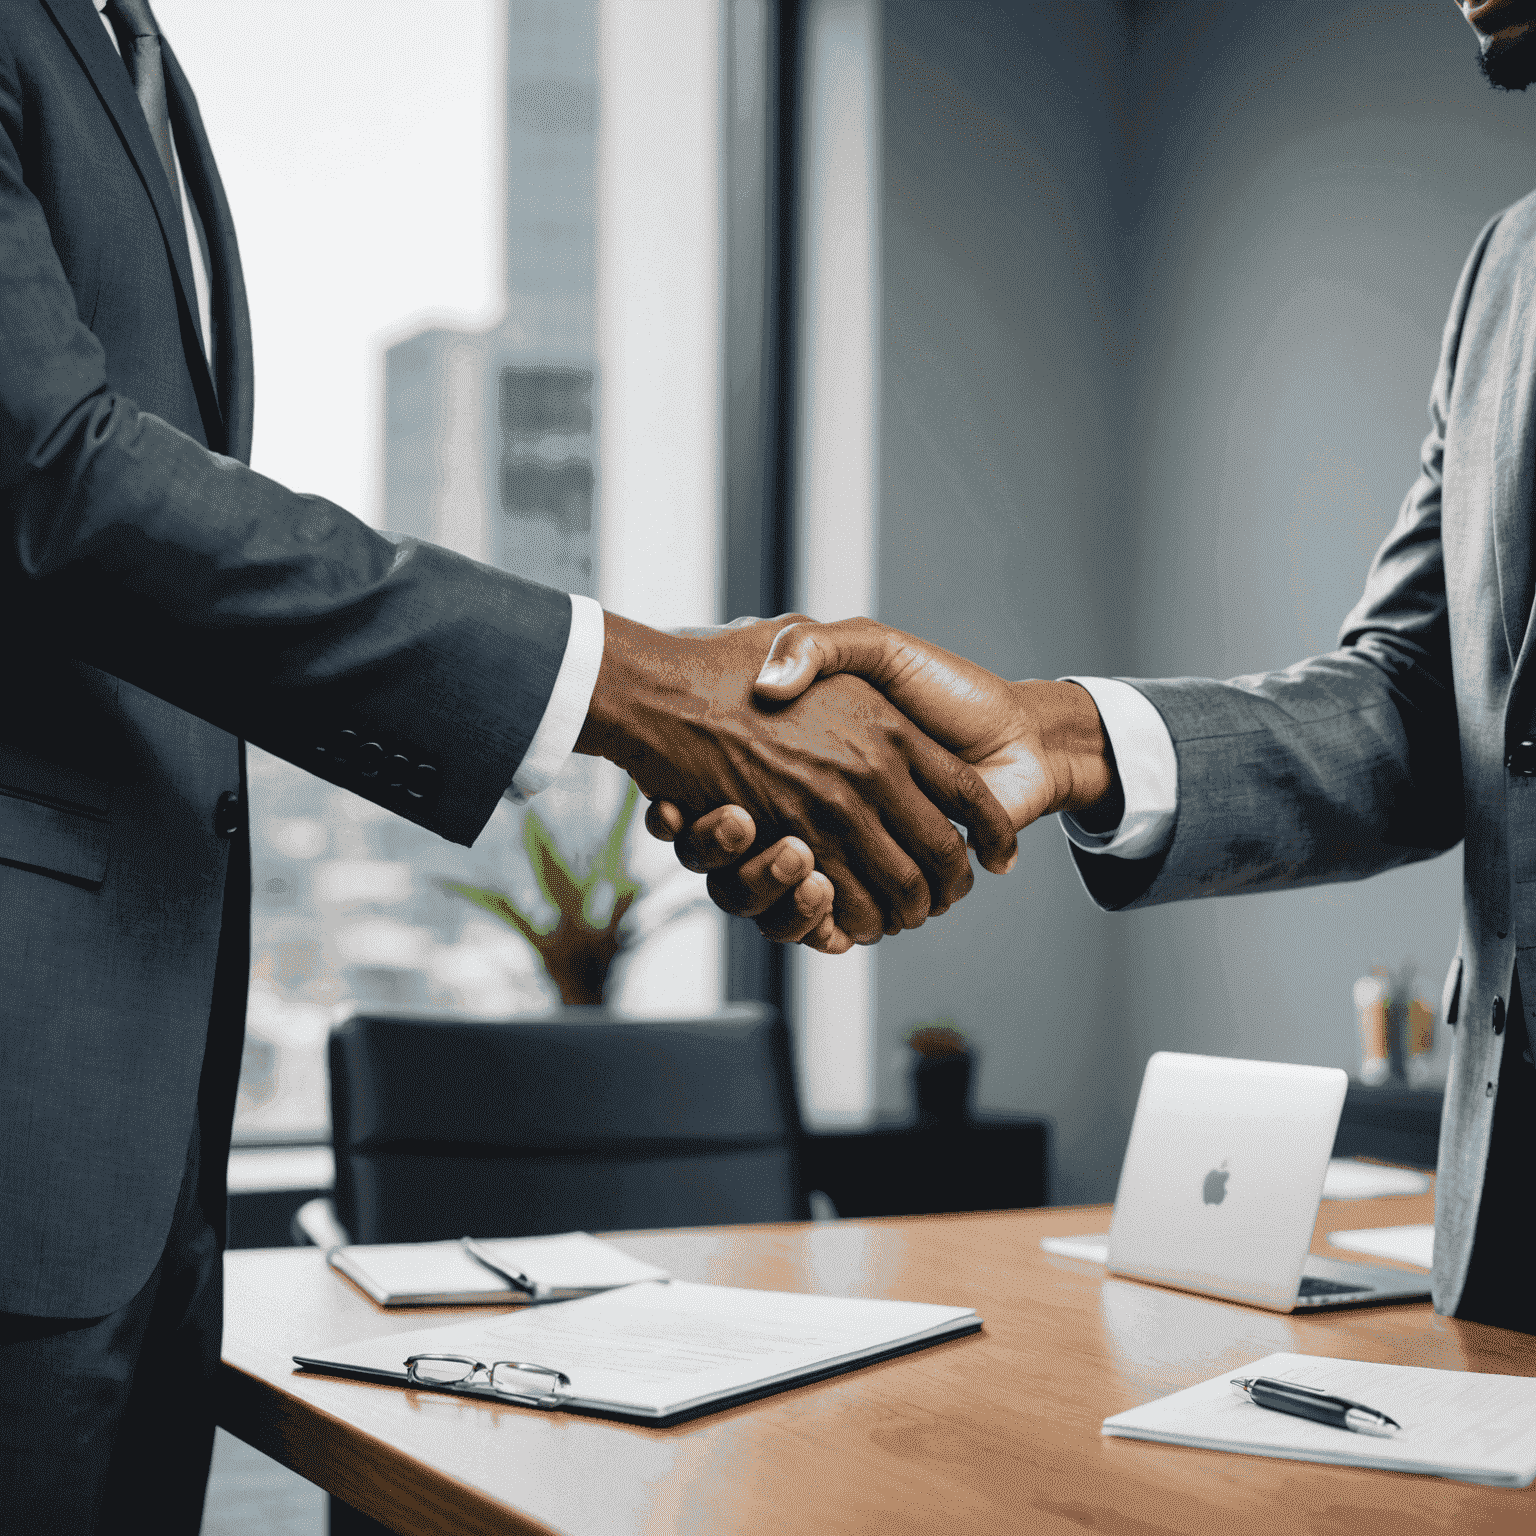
x: 139, y: 38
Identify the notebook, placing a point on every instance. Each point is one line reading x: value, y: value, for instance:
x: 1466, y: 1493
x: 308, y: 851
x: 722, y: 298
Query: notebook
x: 1456, y: 1424
x: 443, y: 1274
x: 659, y: 1353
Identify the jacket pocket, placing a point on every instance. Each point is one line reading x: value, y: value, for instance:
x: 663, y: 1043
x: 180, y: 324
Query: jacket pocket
x: 1450, y: 997
x: 52, y: 837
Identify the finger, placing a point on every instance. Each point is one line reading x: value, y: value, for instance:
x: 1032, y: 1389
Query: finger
x: 854, y: 910
x: 717, y: 839
x: 801, y: 653
x: 881, y: 889
x: 929, y: 845
x: 766, y: 878
x: 802, y: 911
x: 826, y: 938
x: 959, y: 791
x: 663, y: 820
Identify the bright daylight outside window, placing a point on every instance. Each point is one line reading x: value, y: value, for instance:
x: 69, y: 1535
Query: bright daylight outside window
x: 422, y: 280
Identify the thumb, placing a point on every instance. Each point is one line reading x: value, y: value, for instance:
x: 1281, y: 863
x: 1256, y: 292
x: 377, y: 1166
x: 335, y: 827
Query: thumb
x: 803, y: 652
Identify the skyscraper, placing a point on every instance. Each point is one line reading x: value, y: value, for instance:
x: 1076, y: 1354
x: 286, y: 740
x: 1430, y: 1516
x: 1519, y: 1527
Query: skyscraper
x: 489, y: 441
x: 489, y: 449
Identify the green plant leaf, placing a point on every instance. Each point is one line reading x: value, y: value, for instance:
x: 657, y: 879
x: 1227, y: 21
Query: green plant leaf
x: 610, y: 862
x: 498, y: 904
x: 550, y: 869
x: 608, y: 867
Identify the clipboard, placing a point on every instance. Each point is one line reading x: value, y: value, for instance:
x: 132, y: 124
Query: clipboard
x: 675, y: 1352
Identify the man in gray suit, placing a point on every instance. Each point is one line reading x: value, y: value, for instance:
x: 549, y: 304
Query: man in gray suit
x: 1417, y: 733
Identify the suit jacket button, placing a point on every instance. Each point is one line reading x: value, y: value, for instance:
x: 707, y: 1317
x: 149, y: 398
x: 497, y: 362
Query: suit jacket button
x: 227, y: 820
x: 422, y: 784
x: 1521, y: 760
x: 1498, y: 1015
x: 367, y: 759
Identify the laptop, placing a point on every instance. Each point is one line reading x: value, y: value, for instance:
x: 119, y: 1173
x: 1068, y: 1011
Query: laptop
x: 1221, y: 1183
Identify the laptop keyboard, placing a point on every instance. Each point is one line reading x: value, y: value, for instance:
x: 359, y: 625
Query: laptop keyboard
x: 1315, y: 1285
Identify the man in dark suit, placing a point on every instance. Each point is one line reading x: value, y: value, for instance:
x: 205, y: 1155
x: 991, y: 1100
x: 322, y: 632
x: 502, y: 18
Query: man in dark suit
x: 1418, y: 732
x: 160, y: 603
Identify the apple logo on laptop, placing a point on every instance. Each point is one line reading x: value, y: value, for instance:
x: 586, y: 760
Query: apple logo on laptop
x: 1214, y: 1190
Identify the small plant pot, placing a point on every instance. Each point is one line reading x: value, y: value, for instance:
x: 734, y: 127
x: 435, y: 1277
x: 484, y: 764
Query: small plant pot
x: 941, y: 1086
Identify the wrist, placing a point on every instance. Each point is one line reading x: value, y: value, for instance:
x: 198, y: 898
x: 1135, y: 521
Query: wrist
x: 640, y: 666
x: 1075, y: 750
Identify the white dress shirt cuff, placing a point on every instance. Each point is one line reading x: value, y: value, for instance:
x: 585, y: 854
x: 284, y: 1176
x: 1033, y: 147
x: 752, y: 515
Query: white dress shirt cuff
x: 566, y: 712
x: 1148, y: 767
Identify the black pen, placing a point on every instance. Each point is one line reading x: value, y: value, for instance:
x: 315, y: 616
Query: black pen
x: 1309, y: 1403
x: 515, y: 1278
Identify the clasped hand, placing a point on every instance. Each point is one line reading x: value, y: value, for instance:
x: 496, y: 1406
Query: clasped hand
x: 835, y: 780
x: 1037, y: 746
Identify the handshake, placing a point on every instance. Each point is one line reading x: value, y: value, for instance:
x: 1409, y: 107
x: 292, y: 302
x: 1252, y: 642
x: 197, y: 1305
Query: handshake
x: 813, y: 770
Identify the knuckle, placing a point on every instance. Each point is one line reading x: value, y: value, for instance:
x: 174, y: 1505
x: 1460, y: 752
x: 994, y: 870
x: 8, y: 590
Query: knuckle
x: 913, y: 896
x: 968, y: 785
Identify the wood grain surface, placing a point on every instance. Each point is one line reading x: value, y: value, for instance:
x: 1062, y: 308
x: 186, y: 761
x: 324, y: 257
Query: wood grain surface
x: 995, y: 1432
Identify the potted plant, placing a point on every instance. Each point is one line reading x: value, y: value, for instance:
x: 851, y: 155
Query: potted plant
x: 941, y: 1073
x: 599, y: 914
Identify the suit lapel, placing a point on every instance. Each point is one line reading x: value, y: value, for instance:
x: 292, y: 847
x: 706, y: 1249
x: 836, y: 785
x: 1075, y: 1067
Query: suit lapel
x: 83, y: 30
x: 231, y: 318
x: 1514, y: 474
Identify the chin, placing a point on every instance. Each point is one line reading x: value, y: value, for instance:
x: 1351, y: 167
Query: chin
x: 1509, y: 62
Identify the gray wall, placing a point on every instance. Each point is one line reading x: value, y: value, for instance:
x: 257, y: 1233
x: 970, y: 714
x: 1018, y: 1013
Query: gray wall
x: 1163, y: 289
x: 1001, y: 483
x: 1309, y: 180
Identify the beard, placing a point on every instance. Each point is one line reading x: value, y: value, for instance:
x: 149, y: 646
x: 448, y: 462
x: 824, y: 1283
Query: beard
x: 1510, y: 65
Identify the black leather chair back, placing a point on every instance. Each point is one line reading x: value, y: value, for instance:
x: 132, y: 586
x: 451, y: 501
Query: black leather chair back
x: 443, y: 1127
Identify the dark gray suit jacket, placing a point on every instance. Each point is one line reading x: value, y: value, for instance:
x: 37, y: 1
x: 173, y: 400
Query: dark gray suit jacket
x: 159, y: 602
x: 1399, y: 744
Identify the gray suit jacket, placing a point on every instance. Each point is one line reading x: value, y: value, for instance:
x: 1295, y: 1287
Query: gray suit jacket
x: 1393, y: 747
x: 158, y: 603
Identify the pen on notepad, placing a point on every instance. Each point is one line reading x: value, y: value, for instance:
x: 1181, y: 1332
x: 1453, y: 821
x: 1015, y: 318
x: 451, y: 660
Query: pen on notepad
x: 1309, y: 1403
x: 515, y: 1278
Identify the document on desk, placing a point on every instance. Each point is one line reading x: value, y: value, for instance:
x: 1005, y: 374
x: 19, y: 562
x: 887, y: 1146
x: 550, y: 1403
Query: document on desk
x: 1457, y: 1424
x: 1413, y: 1244
x: 560, y: 1267
x: 655, y: 1353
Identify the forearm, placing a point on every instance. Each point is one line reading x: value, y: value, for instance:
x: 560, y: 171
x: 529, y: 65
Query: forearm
x: 1077, y: 747
x: 646, y: 703
x: 1326, y: 771
x: 280, y: 617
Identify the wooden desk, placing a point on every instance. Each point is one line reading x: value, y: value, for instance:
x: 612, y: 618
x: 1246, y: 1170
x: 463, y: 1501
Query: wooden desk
x: 996, y: 1432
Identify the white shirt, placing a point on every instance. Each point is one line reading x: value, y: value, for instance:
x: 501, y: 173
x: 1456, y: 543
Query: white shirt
x: 1149, y: 773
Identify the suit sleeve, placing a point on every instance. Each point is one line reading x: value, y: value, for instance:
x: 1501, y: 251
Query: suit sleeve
x: 1342, y: 766
x: 398, y: 670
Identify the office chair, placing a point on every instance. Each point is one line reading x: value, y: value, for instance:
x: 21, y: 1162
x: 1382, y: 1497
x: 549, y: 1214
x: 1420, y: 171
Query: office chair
x: 450, y: 1126
x: 443, y: 1127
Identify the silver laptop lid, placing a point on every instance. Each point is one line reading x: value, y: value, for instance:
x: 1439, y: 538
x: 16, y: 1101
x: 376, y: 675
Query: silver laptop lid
x: 1222, y: 1177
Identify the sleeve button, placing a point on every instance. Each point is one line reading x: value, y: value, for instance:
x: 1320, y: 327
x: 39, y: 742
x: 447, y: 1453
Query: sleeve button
x: 227, y: 819
x: 423, y: 782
